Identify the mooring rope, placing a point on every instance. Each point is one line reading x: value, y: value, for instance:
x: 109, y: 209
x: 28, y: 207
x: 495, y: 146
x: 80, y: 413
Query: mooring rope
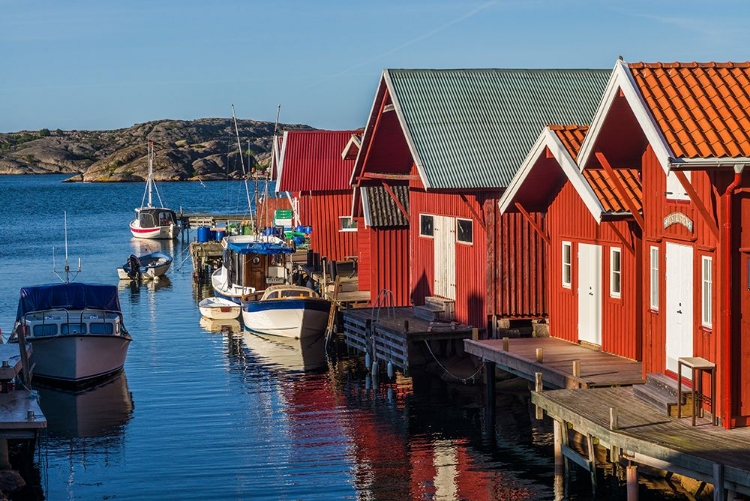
x: 463, y: 380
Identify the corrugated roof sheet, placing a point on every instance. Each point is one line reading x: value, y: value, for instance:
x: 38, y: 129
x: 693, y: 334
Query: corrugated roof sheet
x: 312, y: 161
x: 702, y: 109
x: 383, y: 209
x: 472, y: 128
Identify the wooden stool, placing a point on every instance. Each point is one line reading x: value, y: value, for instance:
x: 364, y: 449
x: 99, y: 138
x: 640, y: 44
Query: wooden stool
x: 698, y: 366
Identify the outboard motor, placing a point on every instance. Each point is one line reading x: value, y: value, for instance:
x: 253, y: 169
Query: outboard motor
x: 135, y: 268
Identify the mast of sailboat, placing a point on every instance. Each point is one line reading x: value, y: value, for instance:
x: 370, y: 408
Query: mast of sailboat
x: 242, y: 159
x: 269, y: 171
x: 150, y: 170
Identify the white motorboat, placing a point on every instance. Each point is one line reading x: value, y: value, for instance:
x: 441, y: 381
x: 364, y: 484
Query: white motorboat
x: 76, y: 331
x: 146, y: 267
x: 217, y: 308
x: 291, y: 311
x: 150, y: 221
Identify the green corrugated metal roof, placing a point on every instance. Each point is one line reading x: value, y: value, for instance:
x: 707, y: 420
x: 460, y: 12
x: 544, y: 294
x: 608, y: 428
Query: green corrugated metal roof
x: 472, y: 128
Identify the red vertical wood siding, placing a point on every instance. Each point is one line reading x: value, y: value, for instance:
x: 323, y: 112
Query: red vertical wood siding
x: 326, y: 237
x: 515, y: 258
x: 389, y: 264
x: 568, y: 219
x: 471, y: 260
x: 655, y: 208
x: 741, y: 303
x: 364, y: 261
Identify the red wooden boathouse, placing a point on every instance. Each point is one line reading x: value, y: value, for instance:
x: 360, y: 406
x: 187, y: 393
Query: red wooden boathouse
x: 453, y: 139
x: 686, y: 128
x: 594, y: 245
x: 313, y: 169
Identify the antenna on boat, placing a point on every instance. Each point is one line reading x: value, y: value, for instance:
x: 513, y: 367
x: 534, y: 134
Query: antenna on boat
x: 67, y: 266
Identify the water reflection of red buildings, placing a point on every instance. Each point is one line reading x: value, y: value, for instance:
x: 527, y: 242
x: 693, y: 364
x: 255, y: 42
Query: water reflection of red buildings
x: 387, y: 460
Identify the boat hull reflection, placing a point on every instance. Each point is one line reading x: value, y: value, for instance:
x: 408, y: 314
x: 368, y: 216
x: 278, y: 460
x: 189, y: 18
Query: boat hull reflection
x: 285, y: 353
x: 98, y: 411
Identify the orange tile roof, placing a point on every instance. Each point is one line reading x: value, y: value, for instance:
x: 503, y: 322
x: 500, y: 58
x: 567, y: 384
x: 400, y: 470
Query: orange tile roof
x: 572, y: 137
x: 604, y: 189
x: 703, y: 109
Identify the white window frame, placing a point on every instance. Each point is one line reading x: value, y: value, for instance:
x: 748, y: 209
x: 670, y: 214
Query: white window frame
x: 342, y: 224
x: 567, y: 282
x: 615, y: 275
x: 654, y: 278
x: 707, y: 291
x: 464, y: 242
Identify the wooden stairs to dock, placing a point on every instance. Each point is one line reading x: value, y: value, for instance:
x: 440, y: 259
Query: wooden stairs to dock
x: 660, y: 391
x: 436, y: 308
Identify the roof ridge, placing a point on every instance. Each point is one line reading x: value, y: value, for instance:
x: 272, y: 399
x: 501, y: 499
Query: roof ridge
x: 692, y: 64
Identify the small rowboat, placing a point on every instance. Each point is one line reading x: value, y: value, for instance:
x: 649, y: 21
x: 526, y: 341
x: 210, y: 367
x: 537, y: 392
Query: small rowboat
x: 218, y: 308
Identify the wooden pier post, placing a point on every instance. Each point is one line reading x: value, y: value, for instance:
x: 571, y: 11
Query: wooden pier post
x: 592, y: 464
x: 539, y: 355
x: 613, y: 419
x: 539, y: 387
x: 489, y: 379
x: 576, y: 368
x: 506, y: 343
x: 559, y: 484
x: 632, y: 482
x: 719, y: 482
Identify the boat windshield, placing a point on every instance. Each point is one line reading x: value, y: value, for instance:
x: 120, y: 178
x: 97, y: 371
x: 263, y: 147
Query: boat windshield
x: 165, y: 218
x: 146, y: 219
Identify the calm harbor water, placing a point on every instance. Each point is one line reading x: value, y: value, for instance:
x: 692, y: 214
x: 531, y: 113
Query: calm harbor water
x: 200, y: 413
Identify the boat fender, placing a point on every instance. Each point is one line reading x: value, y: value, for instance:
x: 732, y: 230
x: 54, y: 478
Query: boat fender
x: 389, y: 368
x: 374, y: 368
x: 367, y: 360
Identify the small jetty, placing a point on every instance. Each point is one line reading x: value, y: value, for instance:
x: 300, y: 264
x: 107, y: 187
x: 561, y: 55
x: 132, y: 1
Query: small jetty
x: 21, y: 418
x: 398, y: 336
x: 632, y: 432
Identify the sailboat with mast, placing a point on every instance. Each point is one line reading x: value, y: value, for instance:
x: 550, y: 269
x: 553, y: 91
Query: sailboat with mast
x: 150, y: 221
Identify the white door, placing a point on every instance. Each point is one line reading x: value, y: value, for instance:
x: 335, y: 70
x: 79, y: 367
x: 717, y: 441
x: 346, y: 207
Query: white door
x: 590, y: 293
x: 679, y: 278
x: 444, y: 282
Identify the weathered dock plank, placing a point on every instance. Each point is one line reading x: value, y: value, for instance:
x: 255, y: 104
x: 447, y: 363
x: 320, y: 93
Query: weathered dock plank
x: 557, y: 365
x: 649, y: 436
x: 394, y: 334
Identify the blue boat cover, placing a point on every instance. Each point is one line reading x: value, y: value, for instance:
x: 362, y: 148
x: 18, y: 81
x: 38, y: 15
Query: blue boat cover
x: 259, y: 248
x: 72, y: 296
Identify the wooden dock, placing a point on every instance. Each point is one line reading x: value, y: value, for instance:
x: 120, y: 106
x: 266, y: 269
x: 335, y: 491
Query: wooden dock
x: 21, y: 418
x: 562, y: 364
x: 641, y: 434
x: 396, y: 335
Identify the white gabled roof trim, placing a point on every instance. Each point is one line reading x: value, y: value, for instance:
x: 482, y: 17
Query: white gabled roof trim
x: 365, y: 206
x: 405, y: 129
x: 280, y: 159
x: 367, y: 131
x: 622, y: 79
x: 548, y: 139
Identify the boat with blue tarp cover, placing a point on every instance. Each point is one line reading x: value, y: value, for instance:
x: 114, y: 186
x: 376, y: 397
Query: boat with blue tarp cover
x: 256, y: 273
x: 76, y: 331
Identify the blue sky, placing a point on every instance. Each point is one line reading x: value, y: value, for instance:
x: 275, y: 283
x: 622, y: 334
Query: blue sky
x: 96, y: 65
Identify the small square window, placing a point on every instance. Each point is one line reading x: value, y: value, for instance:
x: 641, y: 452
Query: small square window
x: 347, y: 223
x: 426, y: 225
x: 464, y: 231
x: 567, y: 265
x: 615, y: 272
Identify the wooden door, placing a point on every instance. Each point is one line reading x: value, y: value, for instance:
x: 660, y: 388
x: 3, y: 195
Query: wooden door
x: 255, y: 271
x: 444, y: 269
x: 679, y: 304
x: 590, y: 293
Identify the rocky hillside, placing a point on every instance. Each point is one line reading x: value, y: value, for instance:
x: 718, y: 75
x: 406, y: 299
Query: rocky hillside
x: 203, y: 149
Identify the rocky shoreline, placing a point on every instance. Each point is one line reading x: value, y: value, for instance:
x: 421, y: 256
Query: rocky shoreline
x: 204, y: 149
